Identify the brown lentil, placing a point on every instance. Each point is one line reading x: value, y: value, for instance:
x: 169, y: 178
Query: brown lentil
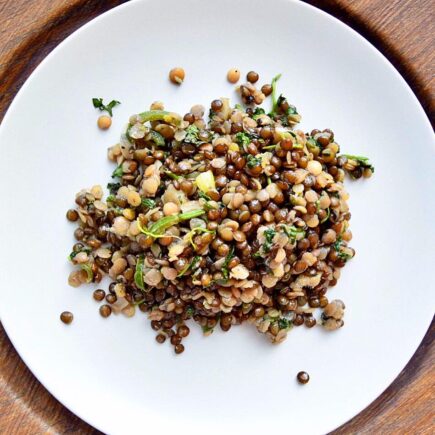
x: 177, y: 75
x: 303, y: 377
x: 99, y: 295
x: 252, y: 77
x: 105, y: 310
x: 66, y: 317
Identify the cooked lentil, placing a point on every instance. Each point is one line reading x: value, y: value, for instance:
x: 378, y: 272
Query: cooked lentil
x: 67, y: 317
x: 104, y: 122
x: 177, y: 75
x: 233, y: 75
x: 241, y: 218
x: 303, y: 377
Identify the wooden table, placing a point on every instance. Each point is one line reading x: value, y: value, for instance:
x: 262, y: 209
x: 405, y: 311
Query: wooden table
x: 404, y: 30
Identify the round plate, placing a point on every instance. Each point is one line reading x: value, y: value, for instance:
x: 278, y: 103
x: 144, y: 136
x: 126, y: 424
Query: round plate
x: 111, y: 372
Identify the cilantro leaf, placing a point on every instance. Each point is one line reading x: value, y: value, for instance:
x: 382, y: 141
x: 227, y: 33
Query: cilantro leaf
x: 118, y: 172
x: 257, y: 112
x: 148, y: 202
x: 253, y: 161
x: 113, y: 187
x: 243, y: 138
x: 192, y: 135
x: 98, y: 104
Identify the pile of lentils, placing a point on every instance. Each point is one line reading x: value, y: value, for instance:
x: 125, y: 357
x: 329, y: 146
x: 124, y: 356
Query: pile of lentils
x: 224, y: 217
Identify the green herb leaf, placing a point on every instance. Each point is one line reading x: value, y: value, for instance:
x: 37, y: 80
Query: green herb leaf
x: 253, y: 161
x: 228, y: 258
x: 243, y: 138
x: 337, y: 246
x: 292, y: 111
x: 138, y: 274
x: 192, y: 135
x: 118, y: 172
x: 257, y: 112
x: 98, y: 104
x: 111, y: 198
x: 148, y: 202
x: 113, y: 187
x: 284, y: 323
x: 269, y: 234
x: 239, y: 107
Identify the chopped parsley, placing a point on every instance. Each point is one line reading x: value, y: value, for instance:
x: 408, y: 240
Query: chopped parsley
x: 269, y: 234
x: 118, y: 172
x: 337, y: 246
x: 284, y: 323
x: 191, y: 134
x: 148, y: 202
x: 113, y: 187
x: 111, y: 198
x: 243, y: 138
x: 257, y: 112
x: 98, y: 104
x: 253, y: 161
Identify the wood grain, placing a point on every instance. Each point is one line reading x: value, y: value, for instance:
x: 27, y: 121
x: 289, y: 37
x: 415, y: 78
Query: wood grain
x: 404, y: 30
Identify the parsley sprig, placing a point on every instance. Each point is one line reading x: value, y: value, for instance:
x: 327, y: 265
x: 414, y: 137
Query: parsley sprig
x: 98, y: 104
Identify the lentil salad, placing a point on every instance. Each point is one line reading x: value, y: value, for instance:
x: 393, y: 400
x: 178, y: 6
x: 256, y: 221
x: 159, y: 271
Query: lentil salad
x: 238, y: 217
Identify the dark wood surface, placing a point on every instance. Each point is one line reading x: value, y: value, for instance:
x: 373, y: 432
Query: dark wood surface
x: 404, y: 30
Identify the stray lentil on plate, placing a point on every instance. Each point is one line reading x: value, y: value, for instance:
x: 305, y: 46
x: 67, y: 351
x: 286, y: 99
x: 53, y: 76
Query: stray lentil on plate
x: 66, y: 317
x: 223, y: 216
x: 177, y: 75
x: 303, y: 377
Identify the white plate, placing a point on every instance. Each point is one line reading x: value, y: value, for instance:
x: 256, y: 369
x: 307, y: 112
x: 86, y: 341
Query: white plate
x: 111, y: 372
